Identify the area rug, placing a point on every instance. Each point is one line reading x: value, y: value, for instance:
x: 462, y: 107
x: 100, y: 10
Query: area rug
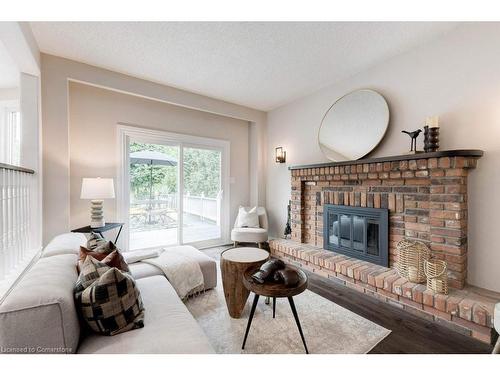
x: 328, y: 328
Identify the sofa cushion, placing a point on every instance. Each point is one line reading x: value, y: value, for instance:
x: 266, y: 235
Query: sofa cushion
x: 140, y: 270
x: 168, y: 326
x: 208, y: 267
x: 39, y: 313
x: 112, y: 304
x: 67, y: 243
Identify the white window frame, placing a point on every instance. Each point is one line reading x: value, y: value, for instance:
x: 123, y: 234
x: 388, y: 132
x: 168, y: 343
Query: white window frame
x: 138, y: 133
x: 10, y: 153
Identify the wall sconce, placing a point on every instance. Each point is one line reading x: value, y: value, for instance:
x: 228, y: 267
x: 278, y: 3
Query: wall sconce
x: 280, y: 155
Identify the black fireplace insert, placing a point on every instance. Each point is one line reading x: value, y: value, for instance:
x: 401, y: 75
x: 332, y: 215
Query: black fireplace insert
x: 358, y: 232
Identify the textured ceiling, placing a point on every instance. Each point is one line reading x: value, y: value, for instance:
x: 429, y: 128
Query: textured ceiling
x: 9, y: 74
x: 260, y: 65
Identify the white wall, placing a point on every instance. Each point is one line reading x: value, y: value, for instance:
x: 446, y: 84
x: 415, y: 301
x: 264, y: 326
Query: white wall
x: 456, y: 77
x: 57, y: 72
x: 31, y: 145
x: 21, y: 44
x: 94, y: 115
x: 11, y: 93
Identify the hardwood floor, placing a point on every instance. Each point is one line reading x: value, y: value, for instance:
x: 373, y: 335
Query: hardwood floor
x: 410, y: 334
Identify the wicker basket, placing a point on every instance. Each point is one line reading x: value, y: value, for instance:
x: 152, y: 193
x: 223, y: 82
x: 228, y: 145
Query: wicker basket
x: 411, y: 258
x: 437, y: 277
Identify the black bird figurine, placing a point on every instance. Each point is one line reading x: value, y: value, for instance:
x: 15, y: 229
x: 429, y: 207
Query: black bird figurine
x: 413, y: 135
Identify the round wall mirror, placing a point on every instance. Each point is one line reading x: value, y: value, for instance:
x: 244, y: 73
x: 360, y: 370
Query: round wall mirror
x: 354, y: 125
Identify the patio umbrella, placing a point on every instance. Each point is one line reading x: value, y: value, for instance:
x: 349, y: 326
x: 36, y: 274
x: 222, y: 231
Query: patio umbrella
x: 151, y: 158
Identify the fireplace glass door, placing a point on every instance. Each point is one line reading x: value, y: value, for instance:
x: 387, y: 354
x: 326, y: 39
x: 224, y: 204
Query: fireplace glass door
x: 358, y: 232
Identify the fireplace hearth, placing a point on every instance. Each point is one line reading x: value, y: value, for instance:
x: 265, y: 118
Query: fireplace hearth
x: 358, y: 232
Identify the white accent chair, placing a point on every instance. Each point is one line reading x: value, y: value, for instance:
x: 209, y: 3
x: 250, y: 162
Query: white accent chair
x: 254, y: 235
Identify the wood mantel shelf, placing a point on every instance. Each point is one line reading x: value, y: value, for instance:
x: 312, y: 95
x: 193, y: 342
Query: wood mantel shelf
x: 422, y: 155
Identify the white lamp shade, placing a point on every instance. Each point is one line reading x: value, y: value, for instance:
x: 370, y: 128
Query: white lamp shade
x: 97, y: 188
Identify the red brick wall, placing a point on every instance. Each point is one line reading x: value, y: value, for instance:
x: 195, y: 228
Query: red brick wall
x: 426, y: 198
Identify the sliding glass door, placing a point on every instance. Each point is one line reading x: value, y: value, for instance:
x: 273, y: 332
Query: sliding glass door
x: 154, y: 195
x: 176, y: 190
x: 202, y: 198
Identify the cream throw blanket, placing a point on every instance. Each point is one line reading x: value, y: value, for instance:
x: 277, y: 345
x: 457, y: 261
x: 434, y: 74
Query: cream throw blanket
x: 183, y: 272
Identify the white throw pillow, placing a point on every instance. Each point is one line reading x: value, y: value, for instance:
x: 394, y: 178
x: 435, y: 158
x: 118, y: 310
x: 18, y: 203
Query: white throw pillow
x: 248, y: 218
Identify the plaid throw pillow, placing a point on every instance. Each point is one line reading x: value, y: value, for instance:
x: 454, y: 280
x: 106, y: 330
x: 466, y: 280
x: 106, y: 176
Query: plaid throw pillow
x: 94, y: 241
x: 105, y: 247
x: 90, y: 270
x: 112, y: 304
x: 112, y: 257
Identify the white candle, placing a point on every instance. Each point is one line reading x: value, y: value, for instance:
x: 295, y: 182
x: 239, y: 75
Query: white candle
x: 432, y: 122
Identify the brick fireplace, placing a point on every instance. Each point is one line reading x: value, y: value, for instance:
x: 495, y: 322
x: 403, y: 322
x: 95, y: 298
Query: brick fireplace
x: 426, y: 198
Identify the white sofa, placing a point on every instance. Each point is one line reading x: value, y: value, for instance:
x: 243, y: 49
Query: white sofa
x: 39, y: 315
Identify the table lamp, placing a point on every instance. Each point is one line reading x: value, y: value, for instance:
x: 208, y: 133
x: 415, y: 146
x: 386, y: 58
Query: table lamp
x: 97, y: 189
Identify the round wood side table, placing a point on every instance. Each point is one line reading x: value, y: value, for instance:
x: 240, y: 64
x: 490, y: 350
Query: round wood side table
x: 233, y: 263
x: 275, y: 290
